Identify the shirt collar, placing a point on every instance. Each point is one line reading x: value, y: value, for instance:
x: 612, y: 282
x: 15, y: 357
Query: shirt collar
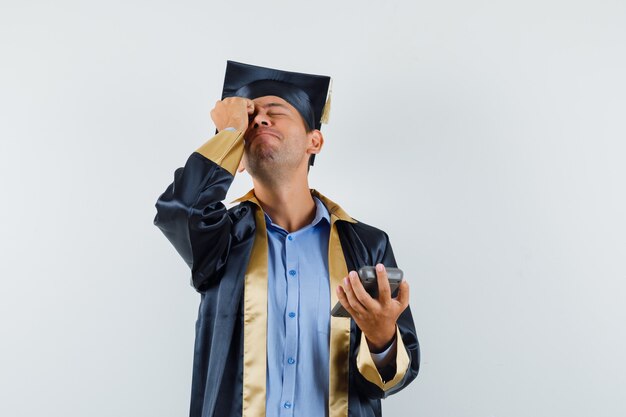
x: 335, y: 211
x: 321, y: 213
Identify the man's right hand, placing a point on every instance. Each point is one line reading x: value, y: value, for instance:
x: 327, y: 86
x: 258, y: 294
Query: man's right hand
x: 232, y: 112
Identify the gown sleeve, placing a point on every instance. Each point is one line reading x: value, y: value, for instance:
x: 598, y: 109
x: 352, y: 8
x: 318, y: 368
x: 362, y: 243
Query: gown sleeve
x: 190, y: 212
x: 380, y: 383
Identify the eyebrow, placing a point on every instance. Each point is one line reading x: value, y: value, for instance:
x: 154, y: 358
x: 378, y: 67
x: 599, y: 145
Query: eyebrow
x: 274, y: 105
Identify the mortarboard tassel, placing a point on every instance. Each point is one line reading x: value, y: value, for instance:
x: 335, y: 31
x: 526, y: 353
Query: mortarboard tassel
x: 326, y: 109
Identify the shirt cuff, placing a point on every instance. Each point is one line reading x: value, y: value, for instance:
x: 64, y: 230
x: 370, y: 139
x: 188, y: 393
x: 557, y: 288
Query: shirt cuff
x: 383, y: 358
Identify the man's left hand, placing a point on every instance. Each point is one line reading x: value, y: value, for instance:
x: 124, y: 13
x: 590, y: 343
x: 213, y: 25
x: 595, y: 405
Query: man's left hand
x: 375, y: 317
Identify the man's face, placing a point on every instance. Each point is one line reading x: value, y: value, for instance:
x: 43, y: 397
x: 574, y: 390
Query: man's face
x: 276, y: 139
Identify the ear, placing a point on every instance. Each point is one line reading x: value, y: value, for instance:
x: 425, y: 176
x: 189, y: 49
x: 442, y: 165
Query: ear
x: 316, y: 142
x: 241, y: 168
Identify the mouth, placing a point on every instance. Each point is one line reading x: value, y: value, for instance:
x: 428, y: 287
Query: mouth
x: 263, y: 133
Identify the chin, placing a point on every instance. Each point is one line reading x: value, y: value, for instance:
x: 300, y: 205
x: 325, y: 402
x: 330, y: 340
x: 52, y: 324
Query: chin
x: 261, y: 164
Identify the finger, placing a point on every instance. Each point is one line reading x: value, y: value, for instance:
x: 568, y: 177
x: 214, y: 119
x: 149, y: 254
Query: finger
x: 360, y: 293
x: 343, y: 299
x: 354, y: 302
x: 249, y: 106
x: 384, y: 291
x: 403, y: 294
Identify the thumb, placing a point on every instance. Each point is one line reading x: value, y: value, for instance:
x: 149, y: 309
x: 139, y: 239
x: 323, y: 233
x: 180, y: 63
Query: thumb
x: 403, y: 294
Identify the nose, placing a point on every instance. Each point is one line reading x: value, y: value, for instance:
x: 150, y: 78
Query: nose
x: 260, y: 119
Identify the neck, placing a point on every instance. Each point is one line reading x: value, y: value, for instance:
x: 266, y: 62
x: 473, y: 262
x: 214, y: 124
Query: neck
x: 290, y: 205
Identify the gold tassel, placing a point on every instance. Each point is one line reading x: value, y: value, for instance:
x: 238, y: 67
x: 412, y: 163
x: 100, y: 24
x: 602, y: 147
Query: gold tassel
x: 326, y: 109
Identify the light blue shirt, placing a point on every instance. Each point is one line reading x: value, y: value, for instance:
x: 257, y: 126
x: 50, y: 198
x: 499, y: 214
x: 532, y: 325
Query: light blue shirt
x: 298, y: 314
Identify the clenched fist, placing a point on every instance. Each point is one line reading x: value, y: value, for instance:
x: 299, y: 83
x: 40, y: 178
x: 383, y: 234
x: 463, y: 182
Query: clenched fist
x: 232, y: 112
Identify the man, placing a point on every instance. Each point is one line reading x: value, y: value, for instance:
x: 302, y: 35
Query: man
x: 270, y: 268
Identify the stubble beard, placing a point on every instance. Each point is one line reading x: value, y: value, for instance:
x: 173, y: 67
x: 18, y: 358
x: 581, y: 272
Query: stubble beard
x: 270, y: 166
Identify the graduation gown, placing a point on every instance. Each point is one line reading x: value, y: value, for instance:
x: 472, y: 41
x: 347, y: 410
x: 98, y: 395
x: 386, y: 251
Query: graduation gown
x: 226, y: 250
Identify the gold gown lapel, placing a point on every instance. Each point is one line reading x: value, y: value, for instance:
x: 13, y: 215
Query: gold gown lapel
x: 339, y: 326
x: 339, y: 331
x: 255, y: 322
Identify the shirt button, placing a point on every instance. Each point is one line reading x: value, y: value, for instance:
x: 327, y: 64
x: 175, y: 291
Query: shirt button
x: 292, y: 314
x: 292, y: 272
x: 291, y: 361
x: 290, y: 237
x: 287, y: 405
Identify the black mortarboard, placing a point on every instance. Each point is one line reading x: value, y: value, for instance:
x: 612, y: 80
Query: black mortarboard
x: 308, y: 93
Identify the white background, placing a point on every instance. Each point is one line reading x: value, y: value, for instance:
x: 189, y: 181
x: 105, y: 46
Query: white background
x: 487, y: 138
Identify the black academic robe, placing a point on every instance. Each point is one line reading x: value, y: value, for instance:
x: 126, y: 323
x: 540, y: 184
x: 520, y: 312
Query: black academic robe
x: 217, y: 244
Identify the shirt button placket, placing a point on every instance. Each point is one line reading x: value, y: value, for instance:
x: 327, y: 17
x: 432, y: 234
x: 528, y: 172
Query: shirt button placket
x: 291, y: 330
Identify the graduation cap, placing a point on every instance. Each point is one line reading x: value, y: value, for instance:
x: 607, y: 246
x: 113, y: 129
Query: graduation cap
x: 308, y: 93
